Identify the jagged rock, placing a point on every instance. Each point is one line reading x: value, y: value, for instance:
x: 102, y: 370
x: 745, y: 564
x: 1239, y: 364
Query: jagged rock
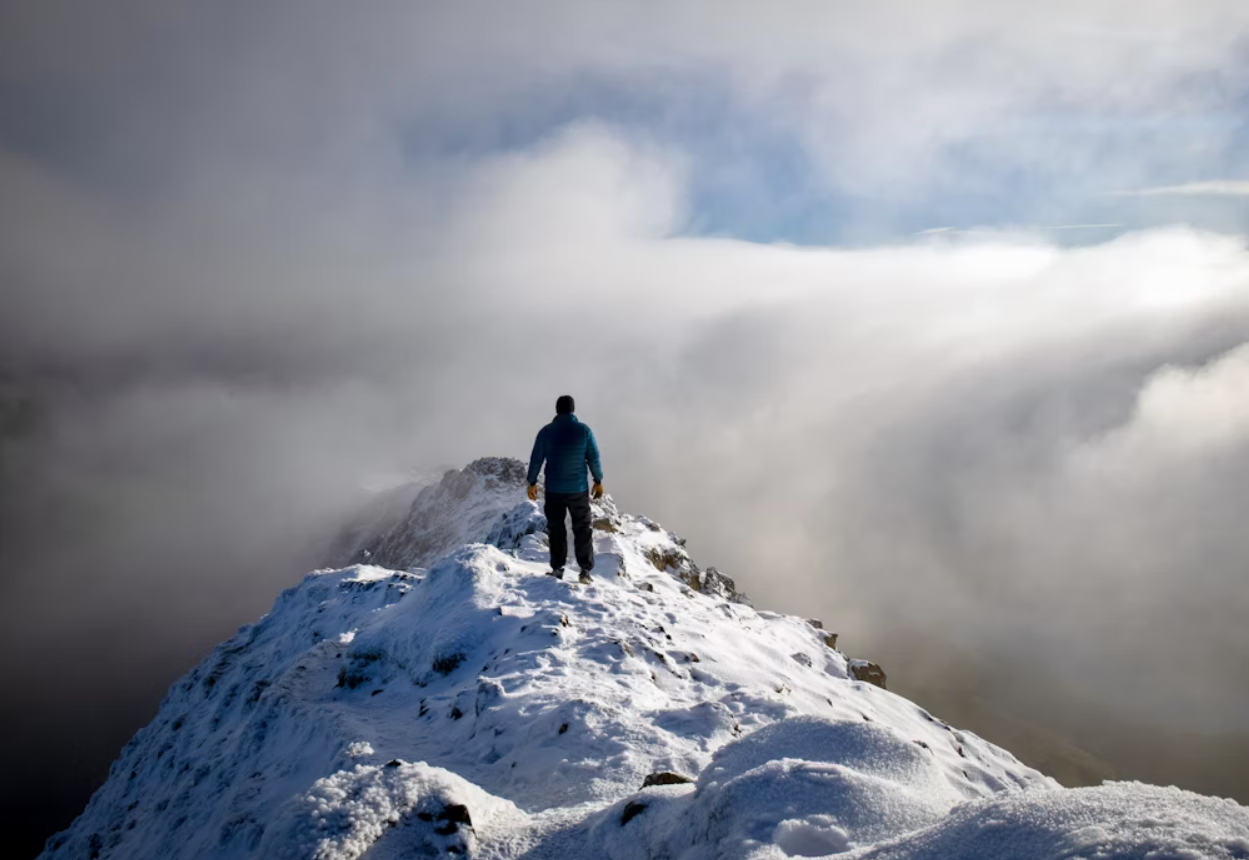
x: 830, y: 639
x: 665, y: 777
x: 871, y: 673
x: 710, y: 581
x: 667, y: 559
x: 717, y: 584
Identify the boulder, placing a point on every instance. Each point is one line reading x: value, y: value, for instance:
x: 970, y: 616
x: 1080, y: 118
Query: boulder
x: 866, y: 670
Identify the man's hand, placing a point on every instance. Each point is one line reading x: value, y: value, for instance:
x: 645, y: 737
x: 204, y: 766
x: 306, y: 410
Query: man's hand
x: 598, y: 490
x: 533, y: 492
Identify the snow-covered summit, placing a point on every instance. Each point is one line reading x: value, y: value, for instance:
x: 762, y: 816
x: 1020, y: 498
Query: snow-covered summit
x: 458, y: 701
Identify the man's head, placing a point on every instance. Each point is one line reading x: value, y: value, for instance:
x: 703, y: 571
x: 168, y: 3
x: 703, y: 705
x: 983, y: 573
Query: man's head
x: 565, y: 405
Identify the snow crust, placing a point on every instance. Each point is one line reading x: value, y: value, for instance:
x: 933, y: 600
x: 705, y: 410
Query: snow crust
x: 467, y: 704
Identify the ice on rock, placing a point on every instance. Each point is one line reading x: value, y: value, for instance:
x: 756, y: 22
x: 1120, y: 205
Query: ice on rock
x: 449, y: 699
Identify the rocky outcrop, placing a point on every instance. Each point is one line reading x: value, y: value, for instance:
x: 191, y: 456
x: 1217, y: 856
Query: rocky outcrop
x: 830, y: 639
x: 869, y: 672
x: 710, y: 581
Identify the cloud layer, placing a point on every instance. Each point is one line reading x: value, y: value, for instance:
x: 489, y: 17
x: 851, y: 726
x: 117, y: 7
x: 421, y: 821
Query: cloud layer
x: 257, y: 261
x: 972, y: 427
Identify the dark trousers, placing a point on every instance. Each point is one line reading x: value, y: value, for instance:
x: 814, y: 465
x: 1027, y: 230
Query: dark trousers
x: 577, y: 504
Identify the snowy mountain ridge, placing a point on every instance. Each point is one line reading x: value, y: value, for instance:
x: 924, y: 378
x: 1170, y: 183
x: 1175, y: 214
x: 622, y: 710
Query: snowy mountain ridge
x: 447, y: 698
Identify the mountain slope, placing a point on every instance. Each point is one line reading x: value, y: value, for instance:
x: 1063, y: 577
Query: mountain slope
x: 466, y: 703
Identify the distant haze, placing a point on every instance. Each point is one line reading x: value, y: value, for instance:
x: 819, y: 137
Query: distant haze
x: 258, y: 261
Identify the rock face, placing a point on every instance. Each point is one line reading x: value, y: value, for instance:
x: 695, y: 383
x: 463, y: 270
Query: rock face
x: 466, y: 704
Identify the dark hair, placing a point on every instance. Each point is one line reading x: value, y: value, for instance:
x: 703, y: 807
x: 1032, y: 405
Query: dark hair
x: 565, y: 405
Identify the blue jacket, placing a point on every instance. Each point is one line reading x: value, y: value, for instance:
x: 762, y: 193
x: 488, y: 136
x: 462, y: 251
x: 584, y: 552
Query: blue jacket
x: 568, y: 447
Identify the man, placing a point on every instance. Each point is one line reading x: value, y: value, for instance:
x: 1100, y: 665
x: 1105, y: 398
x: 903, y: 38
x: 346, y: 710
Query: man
x: 568, y: 448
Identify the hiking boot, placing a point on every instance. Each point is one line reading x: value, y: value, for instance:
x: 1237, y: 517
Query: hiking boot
x: 585, y: 578
x: 557, y: 572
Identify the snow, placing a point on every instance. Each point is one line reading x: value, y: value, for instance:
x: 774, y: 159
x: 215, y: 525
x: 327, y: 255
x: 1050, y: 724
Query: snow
x: 345, y: 814
x: 1123, y: 821
x: 461, y: 702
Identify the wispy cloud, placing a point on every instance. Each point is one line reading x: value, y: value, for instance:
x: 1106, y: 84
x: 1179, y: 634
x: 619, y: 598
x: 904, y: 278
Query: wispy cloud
x: 1216, y: 188
x: 263, y: 255
x: 1039, y: 228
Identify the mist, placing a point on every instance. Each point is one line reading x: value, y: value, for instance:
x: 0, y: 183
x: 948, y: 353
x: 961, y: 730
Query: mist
x: 259, y: 264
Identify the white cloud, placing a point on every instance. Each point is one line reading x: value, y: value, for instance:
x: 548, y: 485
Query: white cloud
x: 966, y: 437
x: 1219, y: 188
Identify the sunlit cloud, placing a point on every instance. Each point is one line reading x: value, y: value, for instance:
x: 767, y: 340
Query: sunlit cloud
x: 258, y: 259
x: 1220, y: 188
x: 1039, y: 228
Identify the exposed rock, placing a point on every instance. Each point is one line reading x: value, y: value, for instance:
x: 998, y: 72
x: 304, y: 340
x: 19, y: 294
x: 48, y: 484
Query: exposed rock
x: 866, y: 670
x: 717, y: 584
x: 445, y: 664
x: 632, y: 809
x: 709, y: 581
x: 665, y: 559
x: 456, y: 814
x: 665, y: 777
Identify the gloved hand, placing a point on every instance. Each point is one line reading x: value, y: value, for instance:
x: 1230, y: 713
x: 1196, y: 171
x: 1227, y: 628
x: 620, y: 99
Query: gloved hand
x: 533, y: 492
x: 597, y: 492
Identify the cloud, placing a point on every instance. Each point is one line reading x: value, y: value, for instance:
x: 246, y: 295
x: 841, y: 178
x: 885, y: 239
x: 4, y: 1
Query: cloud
x: 257, y: 260
x: 937, y: 231
x: 1100, y: 549
x: 917, y: 417
x: 1218, y: 188
x: 950, y: 108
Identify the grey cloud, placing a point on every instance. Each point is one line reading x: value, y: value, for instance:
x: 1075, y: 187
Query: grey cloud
x: 234, y: 302
x: 889, y: 99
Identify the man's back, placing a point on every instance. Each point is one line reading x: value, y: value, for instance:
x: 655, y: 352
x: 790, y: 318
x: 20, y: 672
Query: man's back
x: 569, y: 448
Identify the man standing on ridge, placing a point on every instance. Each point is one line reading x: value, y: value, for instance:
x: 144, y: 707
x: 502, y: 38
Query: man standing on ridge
x: 568, y: 448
